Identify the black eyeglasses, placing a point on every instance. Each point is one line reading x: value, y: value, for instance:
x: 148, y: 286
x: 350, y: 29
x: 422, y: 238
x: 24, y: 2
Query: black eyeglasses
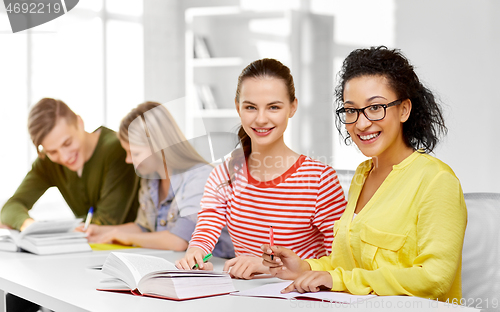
x: 375, y: 112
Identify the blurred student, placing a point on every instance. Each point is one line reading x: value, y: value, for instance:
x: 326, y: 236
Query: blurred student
x: 403, y: 228
x: 171, y: 188
x: 266, y: 183
x: 88, y: 169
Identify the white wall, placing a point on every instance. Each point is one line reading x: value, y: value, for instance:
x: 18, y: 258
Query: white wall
x: 454, y: 46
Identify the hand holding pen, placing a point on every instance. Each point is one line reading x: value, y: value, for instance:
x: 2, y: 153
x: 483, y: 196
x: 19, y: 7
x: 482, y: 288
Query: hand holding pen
x: 282, y: 262
x: 271, y: 240
x: 194, y: 256
x: 89, y: 219
x: 205, y: 259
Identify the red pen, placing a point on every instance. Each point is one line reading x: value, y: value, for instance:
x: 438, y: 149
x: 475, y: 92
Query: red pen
x: 271, y: 240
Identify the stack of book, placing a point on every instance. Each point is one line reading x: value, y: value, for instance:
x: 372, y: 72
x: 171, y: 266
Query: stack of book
x: 46, y: 238
x: 205, y: 97
x: 201, y: 47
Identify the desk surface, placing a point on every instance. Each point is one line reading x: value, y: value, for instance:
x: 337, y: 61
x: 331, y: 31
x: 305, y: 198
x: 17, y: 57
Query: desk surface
x: 65, y: 283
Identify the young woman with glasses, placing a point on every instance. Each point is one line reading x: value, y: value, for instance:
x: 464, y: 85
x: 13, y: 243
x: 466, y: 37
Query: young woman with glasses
x: 403, y: 228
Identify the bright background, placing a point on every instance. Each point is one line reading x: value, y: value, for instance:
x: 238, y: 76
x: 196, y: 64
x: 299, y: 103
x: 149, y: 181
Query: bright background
x: 106, y: 56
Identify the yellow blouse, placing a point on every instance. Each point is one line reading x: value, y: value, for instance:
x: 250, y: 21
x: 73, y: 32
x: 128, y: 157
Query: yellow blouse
x: 408, y: 238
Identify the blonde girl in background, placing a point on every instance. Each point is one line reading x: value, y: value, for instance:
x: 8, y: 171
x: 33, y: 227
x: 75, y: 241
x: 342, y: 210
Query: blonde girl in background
x: 173, y: 178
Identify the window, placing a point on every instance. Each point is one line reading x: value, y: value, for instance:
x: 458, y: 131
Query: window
x: 91, y: 58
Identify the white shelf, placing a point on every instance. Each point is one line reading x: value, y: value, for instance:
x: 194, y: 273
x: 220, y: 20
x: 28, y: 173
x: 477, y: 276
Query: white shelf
x: 217, y: 62
x: 234, y: 38
x: 221, y: 11
x: 210, y: 11
x: 216, y: 113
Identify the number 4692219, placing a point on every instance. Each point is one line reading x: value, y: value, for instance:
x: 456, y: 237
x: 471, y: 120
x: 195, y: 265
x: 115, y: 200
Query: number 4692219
x: 477, y: 303
x: 33, y: 8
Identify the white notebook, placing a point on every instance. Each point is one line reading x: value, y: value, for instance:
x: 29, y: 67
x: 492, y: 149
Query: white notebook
x: 46, y: 238
x: 273, y: 290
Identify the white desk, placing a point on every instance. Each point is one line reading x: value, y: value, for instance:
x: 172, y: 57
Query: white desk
x: 65, y: 283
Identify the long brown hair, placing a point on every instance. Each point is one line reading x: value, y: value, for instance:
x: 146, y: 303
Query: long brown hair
x: 263, y: 68
x: 43, y: 117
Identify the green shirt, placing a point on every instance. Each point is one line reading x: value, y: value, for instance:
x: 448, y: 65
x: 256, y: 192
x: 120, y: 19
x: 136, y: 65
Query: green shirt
x: 107, y: 183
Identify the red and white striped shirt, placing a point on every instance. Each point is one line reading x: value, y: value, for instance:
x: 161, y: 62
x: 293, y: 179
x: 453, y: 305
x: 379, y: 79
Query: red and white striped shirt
x: 301, y: 205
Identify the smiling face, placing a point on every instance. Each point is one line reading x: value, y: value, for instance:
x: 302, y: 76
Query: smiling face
x: 264, y: 108
x: 382, y: 138
x: 65, y: 144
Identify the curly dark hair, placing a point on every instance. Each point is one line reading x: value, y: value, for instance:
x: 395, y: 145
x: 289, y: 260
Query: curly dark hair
x: 425, y: 124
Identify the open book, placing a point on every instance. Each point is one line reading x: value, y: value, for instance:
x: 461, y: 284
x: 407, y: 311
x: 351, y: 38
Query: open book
x: 273, y: 290
x: 8, y: 240
x: 46, y: 238
x: 157, y: 277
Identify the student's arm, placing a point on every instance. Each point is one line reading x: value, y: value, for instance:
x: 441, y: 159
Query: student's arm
x: 132, y: 234
x: 175, y: 238
x: 155, y: 240
x: 245, y: 267
x: 15, y: 211
x: 94, y: 230
x: 118, y: 194
x: 441, y: 226
x: 26, y: 223
x: 330, y: 205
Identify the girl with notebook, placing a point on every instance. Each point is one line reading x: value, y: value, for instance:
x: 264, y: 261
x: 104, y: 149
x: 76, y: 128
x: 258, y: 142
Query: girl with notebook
x: 265, y: 183
x: 403, y: 228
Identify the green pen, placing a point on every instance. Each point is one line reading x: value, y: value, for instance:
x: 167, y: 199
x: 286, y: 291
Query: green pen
x: 205, y: 259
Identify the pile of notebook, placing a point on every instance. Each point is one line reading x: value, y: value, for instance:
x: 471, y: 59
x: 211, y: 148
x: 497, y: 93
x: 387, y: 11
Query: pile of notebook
x: 46, y: 238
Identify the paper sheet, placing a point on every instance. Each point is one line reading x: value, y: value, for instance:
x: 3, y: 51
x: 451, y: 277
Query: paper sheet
x: 273, y: 290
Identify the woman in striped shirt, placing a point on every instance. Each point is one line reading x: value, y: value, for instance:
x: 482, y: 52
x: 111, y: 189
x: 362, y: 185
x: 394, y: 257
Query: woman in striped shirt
x: 265, y: 183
